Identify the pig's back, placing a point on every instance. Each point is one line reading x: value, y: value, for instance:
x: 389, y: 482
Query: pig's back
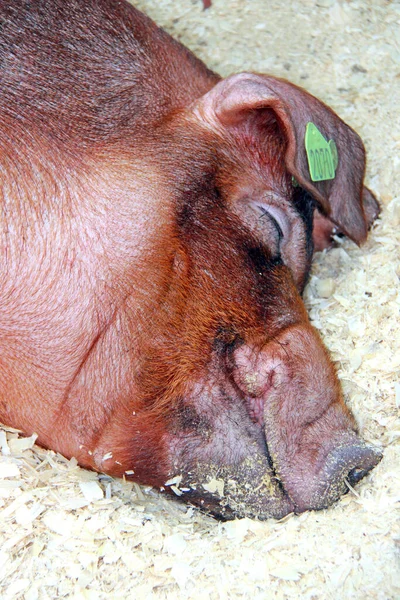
x: 91, y: 70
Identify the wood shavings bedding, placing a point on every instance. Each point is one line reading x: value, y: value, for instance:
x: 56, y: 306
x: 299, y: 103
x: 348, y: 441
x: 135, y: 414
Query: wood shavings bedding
x: 70, y: 533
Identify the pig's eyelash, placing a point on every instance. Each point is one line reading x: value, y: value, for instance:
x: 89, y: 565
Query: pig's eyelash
x: 265, y: 213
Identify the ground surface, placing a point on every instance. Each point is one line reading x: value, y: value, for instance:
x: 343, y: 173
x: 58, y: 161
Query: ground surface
x: 65, y: 532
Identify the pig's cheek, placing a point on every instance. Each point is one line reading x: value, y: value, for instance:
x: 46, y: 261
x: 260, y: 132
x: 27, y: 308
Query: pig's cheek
x: 220, y: 461
x: 213, y: 424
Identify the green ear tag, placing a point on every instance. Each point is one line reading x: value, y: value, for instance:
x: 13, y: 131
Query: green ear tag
x: 322, y: 156
x: 334, y: 153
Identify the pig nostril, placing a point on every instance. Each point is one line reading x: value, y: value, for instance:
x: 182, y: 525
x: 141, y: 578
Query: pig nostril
x: 346, y: 464
x: 356, y: 474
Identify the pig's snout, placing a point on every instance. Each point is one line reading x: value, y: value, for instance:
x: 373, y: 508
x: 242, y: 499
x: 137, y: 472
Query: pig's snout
x: 292, y: 391
x: 345, y: 464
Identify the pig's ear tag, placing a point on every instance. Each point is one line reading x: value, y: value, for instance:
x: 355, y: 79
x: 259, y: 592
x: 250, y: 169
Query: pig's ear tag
x: 322, y: 156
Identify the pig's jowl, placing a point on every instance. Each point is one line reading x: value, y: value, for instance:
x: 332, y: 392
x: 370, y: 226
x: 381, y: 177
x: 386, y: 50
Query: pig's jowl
x: 157, y: 228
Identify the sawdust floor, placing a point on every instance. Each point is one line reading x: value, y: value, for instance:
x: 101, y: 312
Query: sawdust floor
x: 69, y: 533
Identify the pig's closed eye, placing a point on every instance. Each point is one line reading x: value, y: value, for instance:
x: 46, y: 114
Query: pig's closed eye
x: 277, y: 217
x: 265, y: 213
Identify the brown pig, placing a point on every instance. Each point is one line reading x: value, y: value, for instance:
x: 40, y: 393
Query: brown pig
x: 156, y: 233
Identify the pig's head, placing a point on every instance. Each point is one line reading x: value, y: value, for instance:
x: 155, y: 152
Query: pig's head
x: 258, y: 425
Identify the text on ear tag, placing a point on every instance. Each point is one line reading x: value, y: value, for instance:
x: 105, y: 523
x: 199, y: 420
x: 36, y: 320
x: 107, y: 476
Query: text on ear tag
x: 322, y: 156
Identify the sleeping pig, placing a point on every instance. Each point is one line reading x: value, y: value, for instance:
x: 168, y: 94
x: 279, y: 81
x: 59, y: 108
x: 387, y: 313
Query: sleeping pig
x: 157, y: 229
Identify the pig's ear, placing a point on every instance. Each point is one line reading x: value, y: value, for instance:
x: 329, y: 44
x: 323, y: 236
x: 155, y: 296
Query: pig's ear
x: 233, y: 103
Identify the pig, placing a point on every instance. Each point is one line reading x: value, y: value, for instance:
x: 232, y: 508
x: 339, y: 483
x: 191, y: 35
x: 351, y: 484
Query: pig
x: 157, y: 231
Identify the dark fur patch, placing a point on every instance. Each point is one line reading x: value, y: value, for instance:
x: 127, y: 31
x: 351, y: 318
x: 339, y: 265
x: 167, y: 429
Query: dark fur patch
x: 227, y: 339
x: 260, y: 260
x: 186, y: 419
x: 304, y: 203
x: 198, y: 197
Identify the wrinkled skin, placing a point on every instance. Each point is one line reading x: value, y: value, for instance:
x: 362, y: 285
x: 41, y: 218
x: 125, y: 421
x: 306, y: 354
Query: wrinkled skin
x: 154, y: 251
